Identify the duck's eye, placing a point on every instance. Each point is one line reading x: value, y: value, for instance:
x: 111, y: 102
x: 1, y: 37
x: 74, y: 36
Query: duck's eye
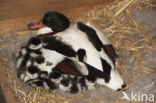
x: 48, y: 19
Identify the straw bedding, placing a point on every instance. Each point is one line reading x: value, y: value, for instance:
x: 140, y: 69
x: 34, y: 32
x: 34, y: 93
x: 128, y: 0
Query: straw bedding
x: 130, y: 27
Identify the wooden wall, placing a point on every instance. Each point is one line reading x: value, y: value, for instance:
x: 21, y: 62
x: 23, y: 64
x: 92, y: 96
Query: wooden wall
x: 16, y: 14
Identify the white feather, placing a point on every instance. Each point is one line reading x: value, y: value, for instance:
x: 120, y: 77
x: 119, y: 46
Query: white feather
x: 23, y: 51
x: 115, y: 82
x: 44, y: 30
x: 34, y: 47
x: 52, y: 57
x: 19, y: 61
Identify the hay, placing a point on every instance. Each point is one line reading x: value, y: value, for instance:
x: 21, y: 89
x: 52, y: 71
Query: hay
x: 122, y: 29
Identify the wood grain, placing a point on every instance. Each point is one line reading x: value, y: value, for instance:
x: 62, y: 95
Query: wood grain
x: 16, y: 14
x: 5, y: 87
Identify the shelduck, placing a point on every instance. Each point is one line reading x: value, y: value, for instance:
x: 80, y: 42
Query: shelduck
x: 68, y: 57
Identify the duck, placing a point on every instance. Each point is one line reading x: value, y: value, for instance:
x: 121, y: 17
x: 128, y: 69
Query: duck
x: 79, y: 52
x: 47, y: 27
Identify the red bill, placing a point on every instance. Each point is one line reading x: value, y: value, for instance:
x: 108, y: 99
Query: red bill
x: 35, y: 26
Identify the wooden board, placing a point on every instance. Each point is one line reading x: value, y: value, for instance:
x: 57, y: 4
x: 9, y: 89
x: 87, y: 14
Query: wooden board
x: 16, y: 14
x: 6, y: 95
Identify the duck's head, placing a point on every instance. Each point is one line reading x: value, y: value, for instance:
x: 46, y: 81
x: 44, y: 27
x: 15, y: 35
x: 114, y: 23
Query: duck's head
x: 52, y: 21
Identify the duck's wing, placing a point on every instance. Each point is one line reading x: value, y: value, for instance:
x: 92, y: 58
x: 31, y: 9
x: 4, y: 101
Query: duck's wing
x: 100, y: 34
x: 91, y: 34
x: 73, y: 64
x: 72, y: 67
x: 101, y: 39
x: 110, y: 51
x: 54, y: 43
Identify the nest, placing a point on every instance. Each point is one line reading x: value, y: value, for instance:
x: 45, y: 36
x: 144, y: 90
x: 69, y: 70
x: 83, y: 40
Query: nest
x: 134, y: 41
